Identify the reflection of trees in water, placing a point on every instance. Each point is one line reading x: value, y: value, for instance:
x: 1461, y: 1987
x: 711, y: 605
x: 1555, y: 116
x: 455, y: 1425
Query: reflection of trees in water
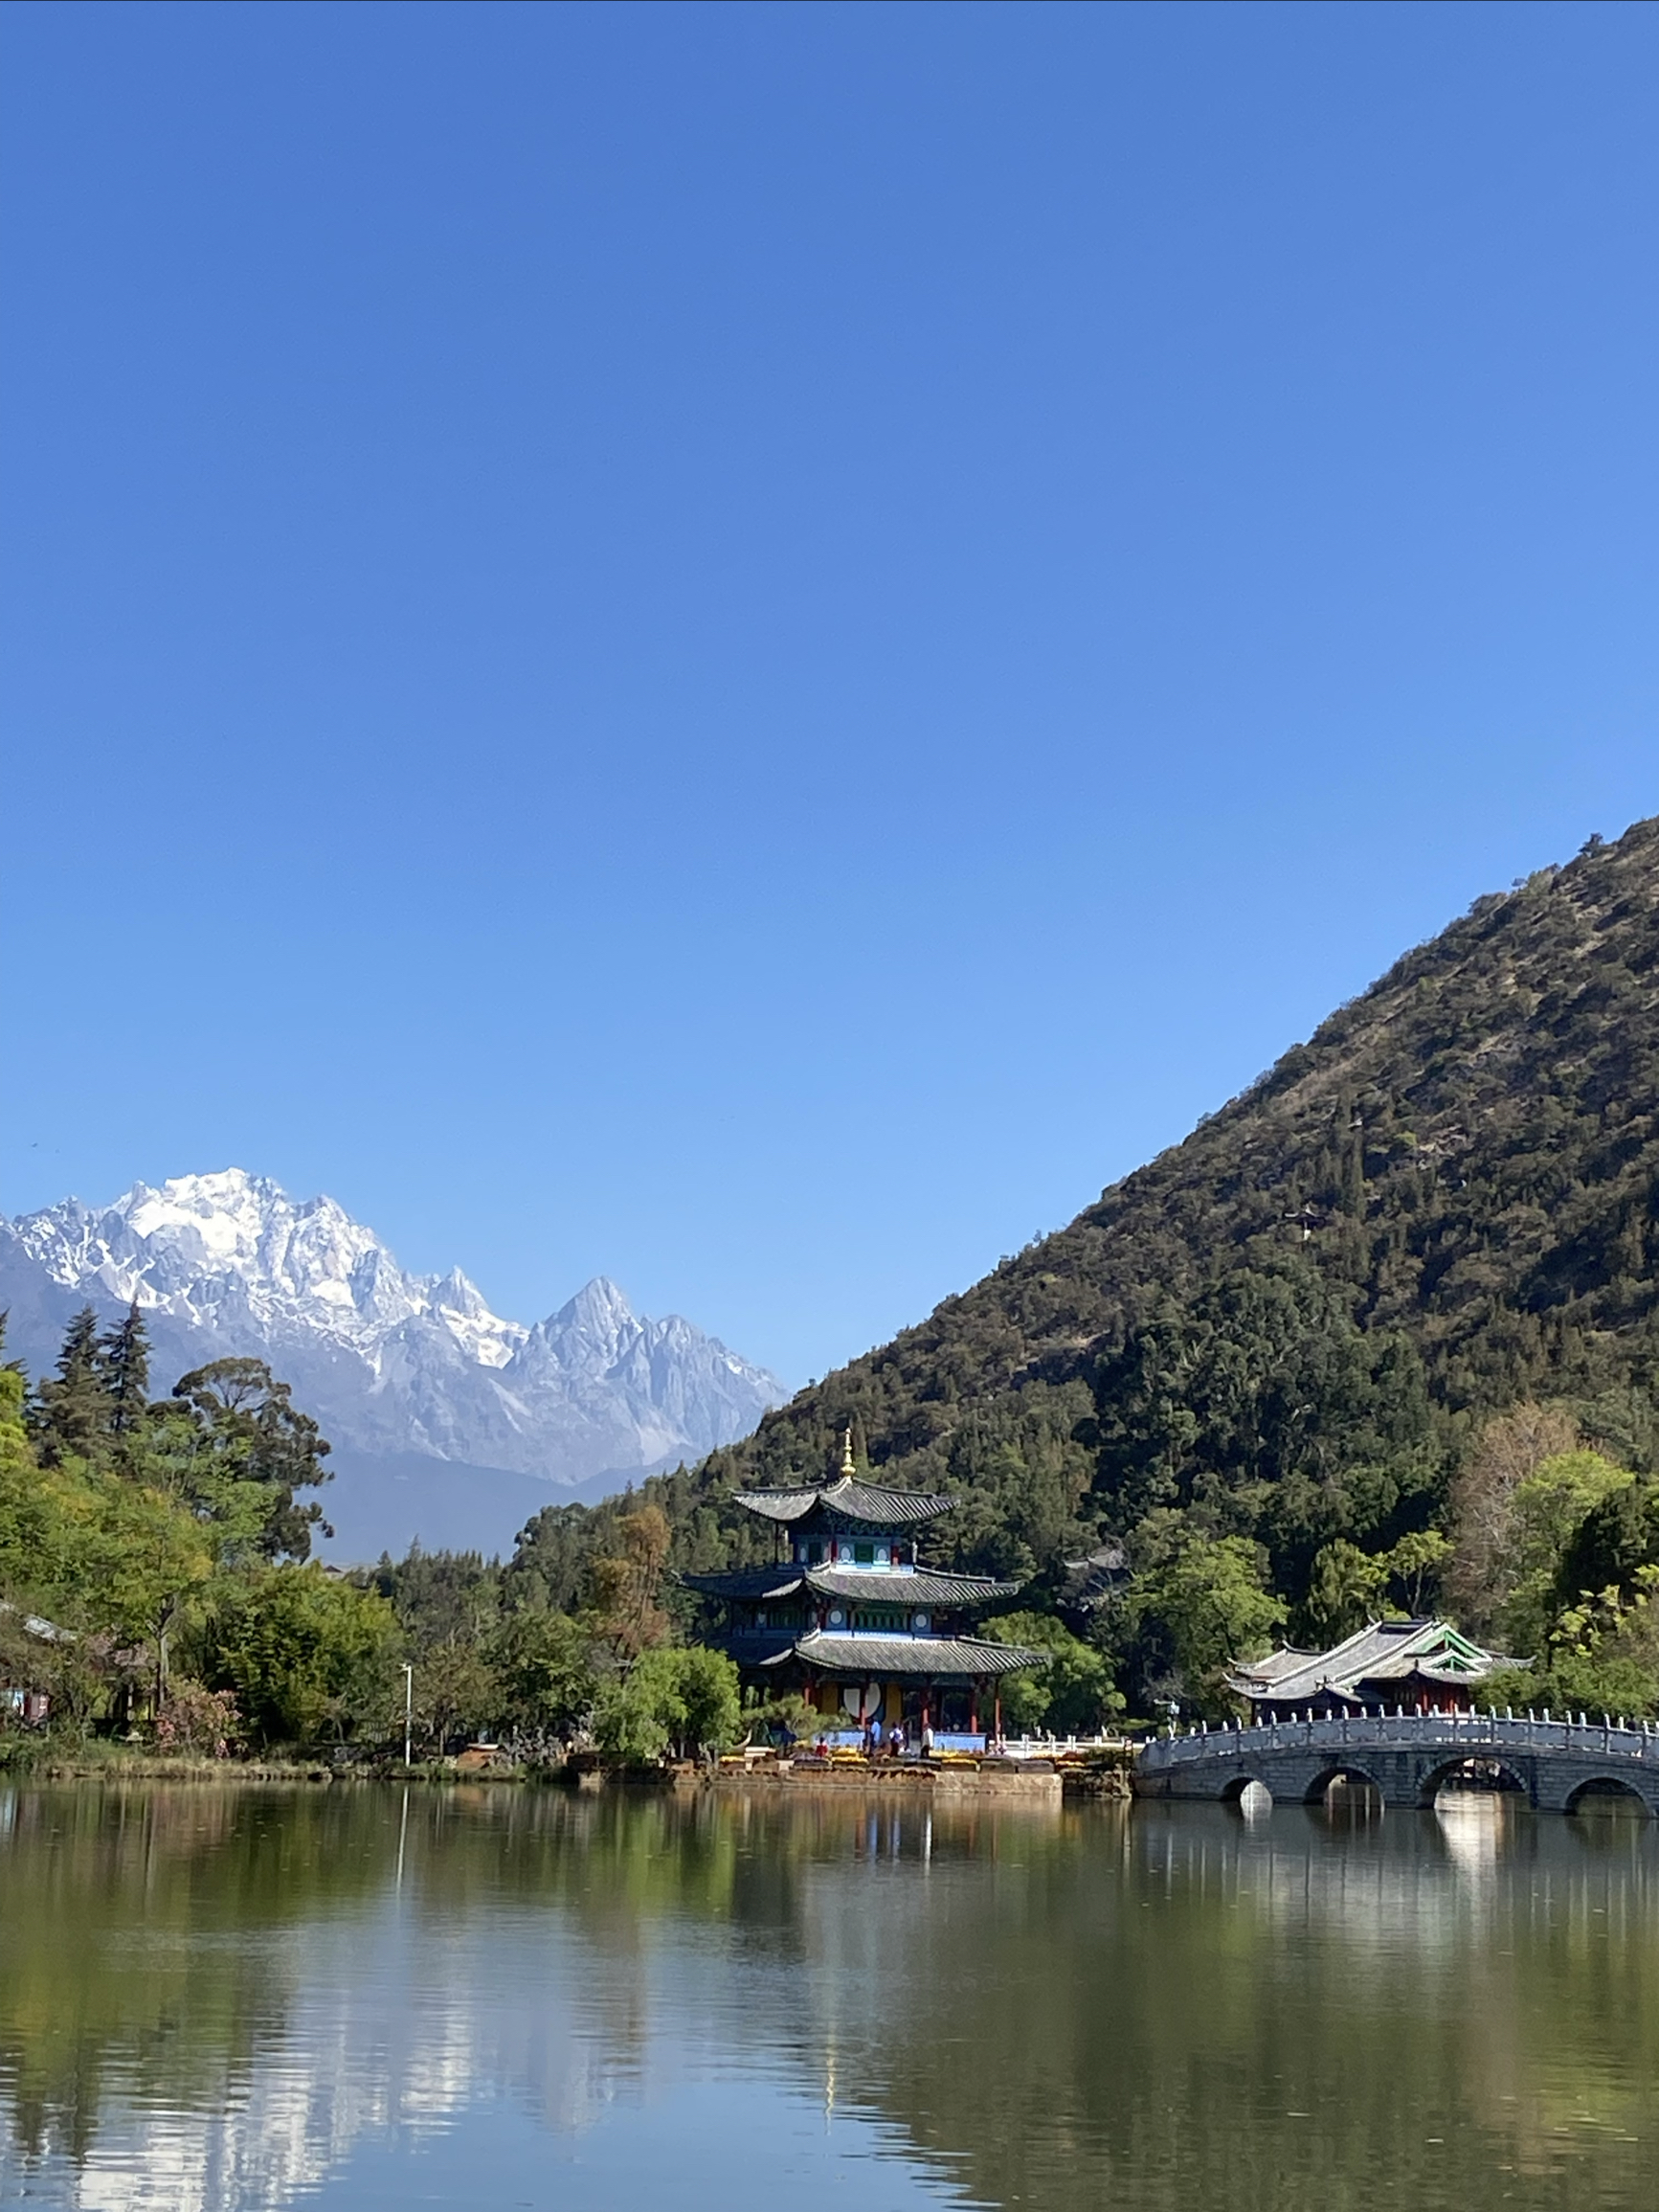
x: 1107, y: 2007
x: 242, y: 1984
x: 1146, y: 2040
x: 140, y: 1933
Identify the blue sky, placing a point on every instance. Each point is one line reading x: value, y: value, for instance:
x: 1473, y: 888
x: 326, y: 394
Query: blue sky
x: 753, y: 647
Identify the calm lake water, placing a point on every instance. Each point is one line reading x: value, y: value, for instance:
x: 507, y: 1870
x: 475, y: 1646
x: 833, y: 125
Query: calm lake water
x: 356, y: 1997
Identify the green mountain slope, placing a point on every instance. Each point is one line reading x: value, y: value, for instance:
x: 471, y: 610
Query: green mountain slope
x: 1286, y: 1327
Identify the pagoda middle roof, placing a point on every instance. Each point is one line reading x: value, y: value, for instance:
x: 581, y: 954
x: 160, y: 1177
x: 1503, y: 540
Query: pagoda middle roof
x: 851, y: 1498
x: 870, y: 1585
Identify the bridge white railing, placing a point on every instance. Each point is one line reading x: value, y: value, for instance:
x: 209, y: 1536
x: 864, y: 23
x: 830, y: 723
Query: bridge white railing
x: 1470, y: 1732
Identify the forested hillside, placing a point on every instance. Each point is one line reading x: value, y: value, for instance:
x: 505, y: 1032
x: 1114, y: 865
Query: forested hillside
x: 1289, y: 1330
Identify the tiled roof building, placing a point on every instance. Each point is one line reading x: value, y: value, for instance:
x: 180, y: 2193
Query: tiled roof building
x: 1417, y: 1665
x: 852, y: 1618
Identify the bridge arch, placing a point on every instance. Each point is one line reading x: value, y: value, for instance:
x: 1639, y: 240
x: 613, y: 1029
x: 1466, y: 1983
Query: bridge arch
x: 1341, y: 1770
x: 1232, y: 1791
x: 1507, y: 1781
x: 1615, y: 1788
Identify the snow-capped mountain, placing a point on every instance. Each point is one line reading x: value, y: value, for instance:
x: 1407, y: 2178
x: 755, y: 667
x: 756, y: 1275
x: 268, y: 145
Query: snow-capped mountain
x: 392, y: 1364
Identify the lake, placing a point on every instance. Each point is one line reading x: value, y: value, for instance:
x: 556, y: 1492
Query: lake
x: 356, y: 1995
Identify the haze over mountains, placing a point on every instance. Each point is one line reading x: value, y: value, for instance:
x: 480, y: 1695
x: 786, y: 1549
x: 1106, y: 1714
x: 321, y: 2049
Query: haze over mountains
x: 446, y: 1420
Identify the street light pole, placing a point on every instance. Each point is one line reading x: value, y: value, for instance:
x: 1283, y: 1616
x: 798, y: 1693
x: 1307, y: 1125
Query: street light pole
x: 407, y: 1709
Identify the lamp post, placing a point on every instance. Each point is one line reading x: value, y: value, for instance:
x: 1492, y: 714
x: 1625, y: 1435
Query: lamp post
x: 407, y: 1709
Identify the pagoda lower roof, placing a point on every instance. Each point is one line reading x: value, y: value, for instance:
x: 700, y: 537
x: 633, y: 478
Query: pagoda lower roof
x: 929, y: 1658
x: 867, y: 1584
x: 850, y: 1499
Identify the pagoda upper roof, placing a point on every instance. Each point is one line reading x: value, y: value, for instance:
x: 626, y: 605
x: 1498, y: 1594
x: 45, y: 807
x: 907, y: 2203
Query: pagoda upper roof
x: 849, y: 1499
x: 870, y: 1585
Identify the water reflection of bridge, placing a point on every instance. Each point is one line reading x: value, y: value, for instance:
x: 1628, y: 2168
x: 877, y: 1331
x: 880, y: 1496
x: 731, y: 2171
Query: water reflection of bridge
x: 1408, y: 1757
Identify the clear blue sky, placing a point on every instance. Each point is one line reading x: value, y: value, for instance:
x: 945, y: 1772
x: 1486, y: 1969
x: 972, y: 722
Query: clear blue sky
x: 753, y: 647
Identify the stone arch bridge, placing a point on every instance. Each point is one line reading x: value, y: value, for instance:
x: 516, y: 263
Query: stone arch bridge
x: 1554, y: 1763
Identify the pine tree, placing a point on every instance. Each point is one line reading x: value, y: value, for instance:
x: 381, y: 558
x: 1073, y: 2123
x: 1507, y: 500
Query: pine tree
x: 1354, y: 1170
x: 71, y: 1413
x: 124, y: 1368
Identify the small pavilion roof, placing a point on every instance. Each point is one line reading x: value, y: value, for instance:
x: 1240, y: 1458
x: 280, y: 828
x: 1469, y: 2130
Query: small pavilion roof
x: 870, y: 1658
x: 856, y: 1585
x: 850, y: 1499
x: 1382, y: 1651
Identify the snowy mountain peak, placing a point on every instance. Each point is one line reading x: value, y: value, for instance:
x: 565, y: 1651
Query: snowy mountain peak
x: 390, y: 1361
x: 591, y: 1327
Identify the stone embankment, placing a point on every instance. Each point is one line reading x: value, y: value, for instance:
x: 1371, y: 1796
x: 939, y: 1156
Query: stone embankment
x: 1031, y: 1780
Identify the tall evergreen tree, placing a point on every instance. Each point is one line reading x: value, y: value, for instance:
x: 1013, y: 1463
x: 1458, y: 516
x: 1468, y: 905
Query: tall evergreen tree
x: 70, y: 1417
x: 123, y: 1367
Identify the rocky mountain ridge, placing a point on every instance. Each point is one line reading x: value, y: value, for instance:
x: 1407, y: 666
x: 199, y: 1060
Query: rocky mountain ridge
x: 392, y: 1365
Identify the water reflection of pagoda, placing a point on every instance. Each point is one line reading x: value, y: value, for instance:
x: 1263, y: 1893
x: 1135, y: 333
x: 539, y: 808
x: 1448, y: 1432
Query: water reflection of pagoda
x: 851, y: 1618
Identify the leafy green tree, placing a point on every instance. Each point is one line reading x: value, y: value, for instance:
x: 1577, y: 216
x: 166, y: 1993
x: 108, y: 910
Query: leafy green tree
x: 1602, y: 1656
x: 1414, y: 1564
x: 249, y: 1449
x: 143, y: 1557
x: 671, y: 1699
x: 544, y: 1665
x: 712, y: 1718
x: 15, y: 1449
x: 456, y: 1692
x: 554, y: 1557
x: 1073, y: 1694
x: 627, y: 1583
x: 307, y: 1655
x: 1547, y: 1511
x: 1207, y: 1604
x: 91, y: 1549
x: 1344, y: 1591
x: 35, y: 1539
x: 787, y: 1718
x: 1614, y: 1543
x: 1260, y: 1403
x: 440, y: 1596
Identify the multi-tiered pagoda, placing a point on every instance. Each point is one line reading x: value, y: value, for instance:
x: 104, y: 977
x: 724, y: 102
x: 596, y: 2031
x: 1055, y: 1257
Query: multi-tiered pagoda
x: 850, y: 1617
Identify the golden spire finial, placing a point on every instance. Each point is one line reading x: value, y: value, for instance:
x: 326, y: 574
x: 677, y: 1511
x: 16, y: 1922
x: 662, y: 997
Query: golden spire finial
x: 848, y: 1467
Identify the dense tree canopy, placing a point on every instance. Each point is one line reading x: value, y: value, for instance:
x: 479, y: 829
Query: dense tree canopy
x: 155, y: 1575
